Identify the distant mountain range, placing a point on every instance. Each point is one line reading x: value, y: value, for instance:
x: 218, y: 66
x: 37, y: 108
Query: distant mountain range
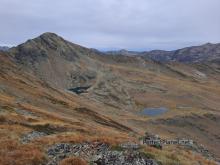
x: 207, y: 52
x: 204, y: 53
x: 4, y: 48
x: 123, y: 52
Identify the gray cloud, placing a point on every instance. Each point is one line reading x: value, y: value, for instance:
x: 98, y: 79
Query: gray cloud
x: 134, y: 25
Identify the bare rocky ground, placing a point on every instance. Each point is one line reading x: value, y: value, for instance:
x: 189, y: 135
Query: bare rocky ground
x: 98, y: 153
x: 31, y: 136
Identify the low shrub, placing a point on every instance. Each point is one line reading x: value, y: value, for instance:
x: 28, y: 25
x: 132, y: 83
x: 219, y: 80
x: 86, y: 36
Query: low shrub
x: 148, y: 155
x: 73, y: 161
x: 117, y: 148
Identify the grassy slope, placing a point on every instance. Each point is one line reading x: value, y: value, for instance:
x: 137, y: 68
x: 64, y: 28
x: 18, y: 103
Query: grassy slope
x: 88, y: 119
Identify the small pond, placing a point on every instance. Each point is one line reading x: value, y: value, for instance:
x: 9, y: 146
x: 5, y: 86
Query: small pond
x: 79, y: 90
x: 154, y: 111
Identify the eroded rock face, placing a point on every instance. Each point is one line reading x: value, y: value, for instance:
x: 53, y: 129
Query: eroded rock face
x: 99, y: 154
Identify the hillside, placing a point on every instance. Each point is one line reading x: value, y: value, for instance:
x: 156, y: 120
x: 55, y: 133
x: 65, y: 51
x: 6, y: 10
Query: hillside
x: 195, y: 54
x: 76, y: 94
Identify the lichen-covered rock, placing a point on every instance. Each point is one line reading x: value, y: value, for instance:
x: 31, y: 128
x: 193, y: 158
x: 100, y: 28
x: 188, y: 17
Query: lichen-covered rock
x: 31, y: 136
x: 99, y: 154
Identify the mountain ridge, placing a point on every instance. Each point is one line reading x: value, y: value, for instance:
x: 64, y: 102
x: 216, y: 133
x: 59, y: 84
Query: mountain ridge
x: 191, y: 54
x: 77, y: 90
x: 4, y: 48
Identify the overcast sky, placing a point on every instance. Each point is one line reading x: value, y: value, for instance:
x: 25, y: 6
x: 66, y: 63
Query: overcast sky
x: 113, y: 24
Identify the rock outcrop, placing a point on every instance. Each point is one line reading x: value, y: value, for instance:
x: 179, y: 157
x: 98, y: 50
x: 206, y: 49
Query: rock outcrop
x: 97, y: 153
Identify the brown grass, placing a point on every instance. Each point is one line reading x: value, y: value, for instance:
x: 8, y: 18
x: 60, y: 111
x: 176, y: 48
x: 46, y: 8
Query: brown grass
x: 12, y: 153
x: 173, y: 156
x: 80, y: 138
x: 73, y: 161
x: 60, y: 109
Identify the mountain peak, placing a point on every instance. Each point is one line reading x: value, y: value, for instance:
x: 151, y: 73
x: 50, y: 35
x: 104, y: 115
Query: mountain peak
x: 49, y: 35
x: 47, y: 45
x: 208, y: 44
x: 44, y: 42
x: 50, y: 39
x: 123, y: 50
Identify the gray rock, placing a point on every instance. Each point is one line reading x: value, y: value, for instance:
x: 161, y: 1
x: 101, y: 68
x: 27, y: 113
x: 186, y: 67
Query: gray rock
x: 99, y: 154
x: 25, y: 112
x: 31, y: 136
x: 131, y: 146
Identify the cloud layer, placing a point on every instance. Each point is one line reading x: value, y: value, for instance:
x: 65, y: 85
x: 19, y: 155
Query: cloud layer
x: 113, y: 24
